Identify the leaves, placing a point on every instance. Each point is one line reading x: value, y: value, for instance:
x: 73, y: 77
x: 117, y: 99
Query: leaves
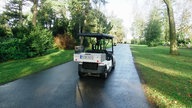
x: 153, y: 30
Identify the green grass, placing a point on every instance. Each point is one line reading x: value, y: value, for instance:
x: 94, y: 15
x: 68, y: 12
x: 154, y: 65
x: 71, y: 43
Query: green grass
x: 16, y: 69
x: 167, y: 79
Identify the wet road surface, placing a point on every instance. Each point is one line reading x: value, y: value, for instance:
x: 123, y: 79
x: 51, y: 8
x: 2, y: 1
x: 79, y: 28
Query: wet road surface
x: 60, y: 87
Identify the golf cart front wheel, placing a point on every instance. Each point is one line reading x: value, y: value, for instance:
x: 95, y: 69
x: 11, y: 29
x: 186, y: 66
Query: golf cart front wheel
x: 104, y: 75
x: 81, y: 74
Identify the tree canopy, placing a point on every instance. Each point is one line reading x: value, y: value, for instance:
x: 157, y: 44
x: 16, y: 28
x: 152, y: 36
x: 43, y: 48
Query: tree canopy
x: 29, y: 34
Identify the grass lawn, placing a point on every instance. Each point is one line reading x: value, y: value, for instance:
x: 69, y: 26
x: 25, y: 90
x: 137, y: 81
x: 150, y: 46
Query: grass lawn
x: 167, y: 79
x: 16, y: 69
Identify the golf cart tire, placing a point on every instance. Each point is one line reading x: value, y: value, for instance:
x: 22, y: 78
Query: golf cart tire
x: 81, y: 75
x: 104, y: 75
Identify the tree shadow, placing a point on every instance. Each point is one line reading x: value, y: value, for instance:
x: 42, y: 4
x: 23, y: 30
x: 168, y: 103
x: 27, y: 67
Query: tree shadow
x: 176, y: 87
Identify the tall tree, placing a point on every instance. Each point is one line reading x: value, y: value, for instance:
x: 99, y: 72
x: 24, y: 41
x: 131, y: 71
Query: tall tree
x: 172, y: 30
x: 165, y: 26
x: 98, y: 22
x: 13, y: 12
x: 46, y: 15
x: 153, y: 28
x: 138, y: 27
x: 118, y: 30
x: 79, y: 10
x: 20, y: 11
x: 35, y: 11
x: 184, y: 26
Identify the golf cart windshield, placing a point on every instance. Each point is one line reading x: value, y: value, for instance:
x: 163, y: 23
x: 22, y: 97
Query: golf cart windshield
x: 97, y: 42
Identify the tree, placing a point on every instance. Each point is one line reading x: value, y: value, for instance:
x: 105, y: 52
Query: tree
x: 184, y: 24
x: 165, y: 26
x: 137, y: 29
x: 14, y: 15
x: 172, y: 30
x: 79, y: 10
x: 153, y: 33
x: 46, y: 15
x: 35, y: 11
x: 98, y: 3
x: 118, y: 29
x: 98, y: 22
x: 153, y: 29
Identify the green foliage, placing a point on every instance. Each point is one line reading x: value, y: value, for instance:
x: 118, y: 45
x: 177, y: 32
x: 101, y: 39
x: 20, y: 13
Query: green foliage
x: 153, y: 33
x: 46, y: 15
x: 12, y: 48
x: 22, y: 37
x: 23, y: 46
x: 38, y: 41
x: 3, y: 19
x: 84, y: 18
x: 60, y: 26
x: 137, y: 29
x: 153, y: 29
x: 97, y: 22
x: 5, y: 31
x: 117, y: 29
x: 13, y: 13
x: 79, y: 10
x: 21, y: 31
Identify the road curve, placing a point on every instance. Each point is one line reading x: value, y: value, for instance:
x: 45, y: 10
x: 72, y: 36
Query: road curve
x: 60, y: 87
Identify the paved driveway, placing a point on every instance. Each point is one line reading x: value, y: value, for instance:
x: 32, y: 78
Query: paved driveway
x: 60, y: 87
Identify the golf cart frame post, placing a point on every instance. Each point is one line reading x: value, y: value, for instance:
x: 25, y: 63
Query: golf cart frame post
x: 97, y: 36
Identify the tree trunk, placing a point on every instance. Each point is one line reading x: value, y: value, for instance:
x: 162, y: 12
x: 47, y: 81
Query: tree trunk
x: 172, y: 31
x: 20, y: 11
x: 35, y: 4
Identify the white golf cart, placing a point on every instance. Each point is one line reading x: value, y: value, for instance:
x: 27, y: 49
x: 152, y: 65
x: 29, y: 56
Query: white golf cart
x: 97, y: 59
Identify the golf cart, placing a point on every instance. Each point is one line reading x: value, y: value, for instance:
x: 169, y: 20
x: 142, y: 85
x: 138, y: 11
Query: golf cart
x: 96, y: 59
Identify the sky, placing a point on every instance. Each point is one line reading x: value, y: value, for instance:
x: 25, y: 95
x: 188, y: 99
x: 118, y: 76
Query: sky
x: 2, y: 3
x: 125, y: 10
x: 122, y: 9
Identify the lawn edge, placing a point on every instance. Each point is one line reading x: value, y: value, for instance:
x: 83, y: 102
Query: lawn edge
x: 38, y: 71
x: 152, y: 103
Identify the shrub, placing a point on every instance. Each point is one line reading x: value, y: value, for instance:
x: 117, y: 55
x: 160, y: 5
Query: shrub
x: 38, y: 41
x: 5, y: 32
x: 12, y: 48
x: 153, y: 33
x: 21, y: 31
x: 153, y: 44
x: 64, y: 41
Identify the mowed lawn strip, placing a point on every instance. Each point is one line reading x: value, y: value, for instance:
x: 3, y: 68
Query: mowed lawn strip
x: 16, y: 69
x: 168, y: 79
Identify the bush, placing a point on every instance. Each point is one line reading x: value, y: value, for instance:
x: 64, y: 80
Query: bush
x: 153, y: 44
x: 5, y: 32
x: 134, y: 41
x: 12, y: 48
x: 64, y: 41
x: 21, y: 31
x: 38, y: 41
x: 153, y: 33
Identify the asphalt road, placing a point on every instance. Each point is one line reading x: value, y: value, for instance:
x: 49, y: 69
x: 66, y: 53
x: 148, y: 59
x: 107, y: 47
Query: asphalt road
x: 60, y: 87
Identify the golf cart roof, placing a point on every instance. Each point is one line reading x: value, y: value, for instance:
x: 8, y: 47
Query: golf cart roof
x: 97, y: 35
